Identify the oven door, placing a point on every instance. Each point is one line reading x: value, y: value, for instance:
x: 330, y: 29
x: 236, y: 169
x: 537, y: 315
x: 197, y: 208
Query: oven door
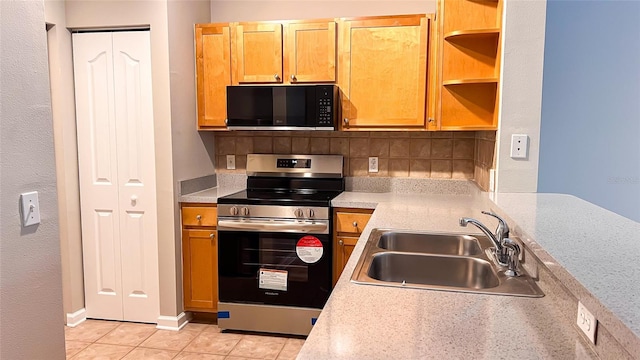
x: 266, y: 268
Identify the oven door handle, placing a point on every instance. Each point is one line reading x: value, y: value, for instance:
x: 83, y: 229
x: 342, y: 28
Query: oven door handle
x: 284, y: 226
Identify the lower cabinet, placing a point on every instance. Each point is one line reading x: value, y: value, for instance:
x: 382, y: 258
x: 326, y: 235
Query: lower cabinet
x: 200, y: 258
x: 348, y: 225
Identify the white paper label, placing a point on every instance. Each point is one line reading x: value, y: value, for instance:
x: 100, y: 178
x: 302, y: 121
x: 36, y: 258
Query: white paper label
x: 273, y: 279
x: 309, y: 249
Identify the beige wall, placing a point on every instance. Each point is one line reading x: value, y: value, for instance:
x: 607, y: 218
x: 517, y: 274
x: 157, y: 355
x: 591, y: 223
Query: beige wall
x: 83, y: 14
x: 521, y: 93
x: 66, y: 151
x: 225, y: 10
x: 192, y: 151
x: 30, y: 271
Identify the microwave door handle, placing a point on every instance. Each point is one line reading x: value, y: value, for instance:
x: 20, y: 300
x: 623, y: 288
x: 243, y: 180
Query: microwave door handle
x: 266, y: 226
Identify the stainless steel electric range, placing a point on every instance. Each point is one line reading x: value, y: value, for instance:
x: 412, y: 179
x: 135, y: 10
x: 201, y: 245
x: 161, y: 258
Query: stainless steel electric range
x: 274, y: 244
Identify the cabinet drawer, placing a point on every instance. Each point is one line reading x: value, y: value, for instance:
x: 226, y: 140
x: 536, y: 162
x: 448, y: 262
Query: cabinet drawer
x: 351, y: 222
x: 199, y: 216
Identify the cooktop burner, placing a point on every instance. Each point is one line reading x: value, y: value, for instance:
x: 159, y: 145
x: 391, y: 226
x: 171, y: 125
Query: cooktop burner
x: 292, y: 180
x: 280, y: 197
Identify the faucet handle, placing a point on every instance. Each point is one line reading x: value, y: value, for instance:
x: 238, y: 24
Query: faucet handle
x: 513, y: 258
x: 502, y: 231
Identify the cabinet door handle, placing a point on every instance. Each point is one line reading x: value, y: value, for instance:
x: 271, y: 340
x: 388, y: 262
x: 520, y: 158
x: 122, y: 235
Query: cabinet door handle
x: 431, y: 120
x: 355, y: 224
x: 198, y: 217
x: 212, y: 235
x: 340, y: 242
x: 293, y: 78
x: 346, y: 121
x: 277, y: 77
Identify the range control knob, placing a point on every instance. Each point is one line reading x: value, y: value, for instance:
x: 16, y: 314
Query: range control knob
x: 298, y: 213
x: 310, y: 213
x: 244, y: 211
x: 234, y: 210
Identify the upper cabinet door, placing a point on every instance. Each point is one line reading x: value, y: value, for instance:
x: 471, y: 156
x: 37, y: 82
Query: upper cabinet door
x: 213, y: 74
x: 310, y: 55
x: 383, y: 72
x: 258, y: 53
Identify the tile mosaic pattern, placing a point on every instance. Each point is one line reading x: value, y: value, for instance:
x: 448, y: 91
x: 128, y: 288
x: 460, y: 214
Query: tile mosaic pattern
x: 484, y: 158
x: 438, y: 155
x: 95, y: 339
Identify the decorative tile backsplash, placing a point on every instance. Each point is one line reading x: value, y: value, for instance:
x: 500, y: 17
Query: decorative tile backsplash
x: 484, y: 157
x: 441, y: 155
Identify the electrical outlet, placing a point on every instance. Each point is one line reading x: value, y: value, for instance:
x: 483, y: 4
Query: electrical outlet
x: 231, y: 162
x: 373, y: 164
x: 519, y: 146
x: 587, y: 322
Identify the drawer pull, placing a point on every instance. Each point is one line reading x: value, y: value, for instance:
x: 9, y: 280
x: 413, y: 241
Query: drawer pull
x: 355, y: 224
x: 340, y: 242
x: 212, y: 235
x: 198, y: 217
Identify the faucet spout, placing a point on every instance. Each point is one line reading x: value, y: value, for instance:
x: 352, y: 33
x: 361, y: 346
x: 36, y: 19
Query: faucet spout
x: 465, y: 221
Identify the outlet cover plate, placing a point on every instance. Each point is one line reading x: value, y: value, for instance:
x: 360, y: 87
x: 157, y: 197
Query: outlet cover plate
x: 231, y: 162
x: 29, y: 208
x: 373, y: 164
x: 519, y: 146
x: 587, y: 322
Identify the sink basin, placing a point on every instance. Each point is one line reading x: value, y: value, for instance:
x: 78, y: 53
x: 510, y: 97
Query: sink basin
x: 430, y: 243
x: 437, y: 261
x: 460, y: 272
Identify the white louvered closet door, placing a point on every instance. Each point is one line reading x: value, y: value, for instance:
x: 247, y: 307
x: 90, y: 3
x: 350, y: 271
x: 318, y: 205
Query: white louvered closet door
x: 117, y: 174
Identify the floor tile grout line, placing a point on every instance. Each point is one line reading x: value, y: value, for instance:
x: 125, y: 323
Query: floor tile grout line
x: 196, y: 333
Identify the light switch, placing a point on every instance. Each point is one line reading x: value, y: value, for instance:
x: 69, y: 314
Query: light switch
x: 29, y: 208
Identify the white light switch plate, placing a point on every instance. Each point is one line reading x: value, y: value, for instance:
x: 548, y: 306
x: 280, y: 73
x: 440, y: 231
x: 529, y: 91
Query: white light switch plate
x: 373, y: 164
x: 231, y: 162
x: 587, y: 322
x: 29, y: 208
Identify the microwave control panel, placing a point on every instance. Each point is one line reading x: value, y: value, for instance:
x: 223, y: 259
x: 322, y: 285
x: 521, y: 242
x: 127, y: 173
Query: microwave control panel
x: 326, y: 106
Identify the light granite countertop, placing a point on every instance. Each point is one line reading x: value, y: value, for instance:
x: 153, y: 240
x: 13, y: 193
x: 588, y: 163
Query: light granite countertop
x: 374, y: 322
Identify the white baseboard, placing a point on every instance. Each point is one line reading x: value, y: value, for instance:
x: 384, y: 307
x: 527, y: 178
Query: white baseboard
x: 173, y: 323
x: 76, y: 318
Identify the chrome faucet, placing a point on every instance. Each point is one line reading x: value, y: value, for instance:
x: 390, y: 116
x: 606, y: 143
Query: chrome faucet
x: 505, y: 250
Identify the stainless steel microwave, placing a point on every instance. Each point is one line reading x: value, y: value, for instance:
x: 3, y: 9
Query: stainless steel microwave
x: 295, y: 107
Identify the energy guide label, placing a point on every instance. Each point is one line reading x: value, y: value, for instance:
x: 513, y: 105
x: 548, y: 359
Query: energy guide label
x: 309, y: 249
x: 272, y: 279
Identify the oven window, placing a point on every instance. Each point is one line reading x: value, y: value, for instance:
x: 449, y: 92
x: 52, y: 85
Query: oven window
x: 278, y: 254
x: 242, y: 255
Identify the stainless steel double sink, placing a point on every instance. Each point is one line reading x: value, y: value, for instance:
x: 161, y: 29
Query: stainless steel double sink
x: 438, y: 261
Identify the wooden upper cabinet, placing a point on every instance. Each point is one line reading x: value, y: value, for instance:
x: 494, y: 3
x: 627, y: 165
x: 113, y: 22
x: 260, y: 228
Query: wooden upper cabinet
x: 213, y: 74
x: 469, y: 53
x: 382, y: 71
x: 310, y: 52
x: 258, y: 53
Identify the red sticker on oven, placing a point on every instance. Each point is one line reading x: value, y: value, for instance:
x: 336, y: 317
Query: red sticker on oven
x: 309, y: 249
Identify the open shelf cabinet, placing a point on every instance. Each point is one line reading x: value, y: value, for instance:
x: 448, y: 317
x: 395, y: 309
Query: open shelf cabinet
x: 469, y: 74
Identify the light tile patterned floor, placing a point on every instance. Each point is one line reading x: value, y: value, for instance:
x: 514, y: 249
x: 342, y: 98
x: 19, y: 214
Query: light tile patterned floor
x: 95, y: 339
